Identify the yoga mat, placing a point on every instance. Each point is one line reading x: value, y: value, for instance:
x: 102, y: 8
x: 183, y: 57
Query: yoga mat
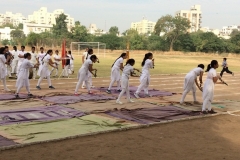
x: 75, y: 99
x: 42, y: 131
x: 46, y: 113
x: 12, y: 96
x: 151, y: 115
x: 6, y: 142
x: 152, y: 92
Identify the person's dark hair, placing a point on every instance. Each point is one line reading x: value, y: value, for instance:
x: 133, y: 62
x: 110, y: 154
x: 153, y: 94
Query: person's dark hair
x: 49, y: 51
x: 146, y: 57
x: 121, y: 56
x: 26, y: 55
x: 6, y: 46
x: 2, y: 50
x: 41, y: 47
x: 15, y: 48
x: 89, y: 51
x: 93, y: 57
x: 57, y: 51
x: 201, y: 66
x: 69, y: 52
x: 23, y: 47
x: 33, y: 47
x: 213, y: 63
x: 130, y: 61
x: 225, y: 59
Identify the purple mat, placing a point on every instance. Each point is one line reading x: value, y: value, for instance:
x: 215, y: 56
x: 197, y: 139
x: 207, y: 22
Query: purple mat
x: 151, y: 115
x: 152, y: 92
x: 12, y: 96
x: 75, y: 99
x: 6, y: 142
x: 38, y: 114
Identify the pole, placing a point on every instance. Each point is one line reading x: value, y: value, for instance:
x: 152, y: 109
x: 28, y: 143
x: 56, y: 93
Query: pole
x: 98, y: 48
x: 128, y: 47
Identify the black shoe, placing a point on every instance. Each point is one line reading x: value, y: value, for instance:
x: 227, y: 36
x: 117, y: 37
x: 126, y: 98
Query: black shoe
x: 38, y: 87
x: 51, y: 87
x: 30, y: 95
x: 119, y: 90
x: 17, y: 96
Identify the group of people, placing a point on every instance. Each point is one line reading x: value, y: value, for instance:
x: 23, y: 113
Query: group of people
x: 22, y: 62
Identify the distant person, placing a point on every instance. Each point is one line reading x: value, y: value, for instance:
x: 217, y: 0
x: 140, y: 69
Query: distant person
x: 71, y: 67
x: 57, y: 60
x: 147, y: 63
x: 191, y: 82
x: 225, y: 68
x: 21, y: 57
x: 15, y: 60
x: 117, y: 66
x: 33, y: 61
x: 3, y: 68
x: 88, y: 55
x: 9, y: 58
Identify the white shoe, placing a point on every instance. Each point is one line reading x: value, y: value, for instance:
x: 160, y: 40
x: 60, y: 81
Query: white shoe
x: 83, y: 87
x: 92, y: 86
x: 6, y: 89
x: 119, y: 102
x: 136, y: 95
x: 130, y: 101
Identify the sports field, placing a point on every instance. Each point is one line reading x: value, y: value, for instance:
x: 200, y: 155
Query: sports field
x: 187, y: 137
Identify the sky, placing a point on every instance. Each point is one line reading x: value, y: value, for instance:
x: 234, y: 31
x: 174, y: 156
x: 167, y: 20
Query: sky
x: 120, y: 13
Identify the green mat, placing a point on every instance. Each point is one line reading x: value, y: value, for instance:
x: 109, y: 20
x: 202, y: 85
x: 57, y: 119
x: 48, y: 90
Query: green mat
x: 49, y: 130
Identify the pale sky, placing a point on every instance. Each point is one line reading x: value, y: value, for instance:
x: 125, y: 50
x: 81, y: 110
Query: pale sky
x: 120, y: 13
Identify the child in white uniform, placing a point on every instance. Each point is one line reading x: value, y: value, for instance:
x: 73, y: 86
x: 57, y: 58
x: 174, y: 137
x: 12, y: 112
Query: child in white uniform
x: 225, y: 68
x: 128, y: 70
x: 83, y: 73
x: 189, y: 85
x: 147, y: 63
x: 3, y: 69
x: 15, y: 60
x: 115, y: 72
x: 44, y: 71
x: 87, y: 56
x: 23, y: 75
x: 33, y: 61
x: 40, y: 57
x: 208, y: 88
x: 71, y: 67
x: 21, y: 57
x: 57, y: 60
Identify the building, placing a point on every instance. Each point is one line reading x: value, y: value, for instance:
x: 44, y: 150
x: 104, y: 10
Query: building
x: 194, y: 15
x: 227, y: 30
x: 207, y: 29
x: 144, y: 26
x: 12, y: 18
x: 36, y: 28
x: 42, y: 16
x: 92, y: 29
x: 5, y: 33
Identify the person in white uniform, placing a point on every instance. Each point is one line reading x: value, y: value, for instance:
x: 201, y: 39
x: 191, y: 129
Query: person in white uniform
x: 83, y: 72
x: 87, y: 56
x: 208, y: 88
x: 57, y: 60
x: 3, y: 69
x: 41, y: 54
x: 33, y: 61
x: 71, y: 67
x: 9, y: 57
x: 191, y: 82
x: 23, y: 80
x: 44, y: 71
x: 128, y: 71
x: 115, y: 72
x: 147, y: 63
x: 21, y: 57
x: 15, y: 60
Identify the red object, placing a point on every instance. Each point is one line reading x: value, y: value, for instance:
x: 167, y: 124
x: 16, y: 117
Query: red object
x: 63, y: 53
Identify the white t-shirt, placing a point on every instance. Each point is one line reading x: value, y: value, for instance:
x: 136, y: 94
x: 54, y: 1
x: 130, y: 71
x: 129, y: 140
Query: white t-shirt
x: 117, y: 64
x: 22, y: 54
x: 127, y: 70
x: 71, y: 58
x: 15, y: 54
x: 148, y: 64
x: 46, y: 59
x: 212, y: 73
x: 33, y: 59
x: 40, y: 56
x: 86, y: 55
x: 224, y: 64
x: 57, y: 57
x: 196, y: 71
x: 86, y: 64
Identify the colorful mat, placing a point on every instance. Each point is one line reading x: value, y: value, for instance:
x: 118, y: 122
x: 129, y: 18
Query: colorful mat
x: 6, y: 142
x: 46, y: 113
x: 152, y: 92
x: 75, y: 99
x: 4, y: 97
x: 151, y: 115
x: 49, y: 130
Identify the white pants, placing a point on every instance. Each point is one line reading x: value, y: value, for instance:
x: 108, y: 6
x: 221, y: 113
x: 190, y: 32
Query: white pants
x: 208, y: 93
x: 125, y: 88
x: 115, y: 77
x: 48, y: 80
x: 65, y: 72
x: 55, y: 69
x: 143, y: 85
x: 89, y: 80
x: 82, y: 78
x: 189, y: 85
x: 14, y: 65
x: 34, y: 73
x: 9, y: 69
x: 4, y: 83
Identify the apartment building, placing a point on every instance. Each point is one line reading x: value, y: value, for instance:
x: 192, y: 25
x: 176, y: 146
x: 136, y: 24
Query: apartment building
x: 194, y: 15
x: 12, y: 18
x: 5, y: 33
x: 144, y: 26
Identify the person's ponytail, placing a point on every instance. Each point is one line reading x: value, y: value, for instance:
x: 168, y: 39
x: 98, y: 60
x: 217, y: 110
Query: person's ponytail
x: 122, y: 55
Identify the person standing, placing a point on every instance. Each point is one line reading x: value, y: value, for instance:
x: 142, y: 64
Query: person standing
x: 21, y: 57
x: 71, y: 67
x: 3, y: 69
x: 9, y: 57
x: 15, y: 60
x: 225, y: 68
x: 33, y: 61
x: 87, y: 56
x: 57, y: 60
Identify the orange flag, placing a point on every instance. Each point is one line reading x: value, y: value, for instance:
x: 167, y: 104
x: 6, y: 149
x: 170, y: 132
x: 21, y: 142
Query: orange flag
x: 63, y: 53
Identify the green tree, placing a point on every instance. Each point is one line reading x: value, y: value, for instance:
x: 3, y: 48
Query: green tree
x: 32, y: 39
x: 79, y: 32
x: 234, y: 32
x: 60, y: 29
x: 172, y: 27
x: 5, y: 42
x: 184, y: 43
x: 20, y: 26
x: 157, y: 43
x: 112, y: 41
x: 212, y: 43
x: 114, y: 30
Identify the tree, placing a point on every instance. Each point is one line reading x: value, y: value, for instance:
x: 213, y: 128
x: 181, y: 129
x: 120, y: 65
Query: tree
x: 20, y: 26
x: 114, y: 30
x: 234, y: 32
x: 112, y: 41
x: 32, y: 39
x: 5, y: 42
x: 172, y: 27
x: 18, y: 36
x: 60, y: 29
x: 79, y: 32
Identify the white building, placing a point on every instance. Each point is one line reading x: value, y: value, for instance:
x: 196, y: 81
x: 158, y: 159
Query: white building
x: 144, y: 26
x: 92, y: 29
x: 42, y: 16
x: 36, y: 28
x: 10, y: 17
x: 5, y: 33
x: 227, y: 30
x: 194, y: 15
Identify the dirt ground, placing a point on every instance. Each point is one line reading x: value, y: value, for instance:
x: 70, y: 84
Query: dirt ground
x: 206, y: 138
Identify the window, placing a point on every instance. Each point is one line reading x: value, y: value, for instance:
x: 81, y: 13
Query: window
x: 184, y: 14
